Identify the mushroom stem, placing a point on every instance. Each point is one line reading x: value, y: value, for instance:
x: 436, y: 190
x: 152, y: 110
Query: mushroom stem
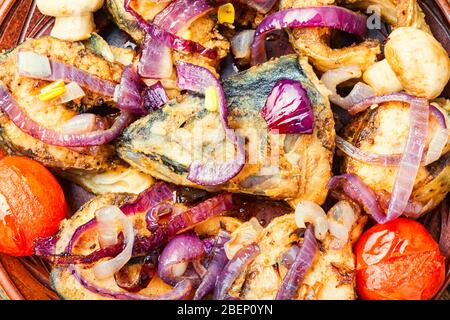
x: 74, y: 28
x: 382, y: 78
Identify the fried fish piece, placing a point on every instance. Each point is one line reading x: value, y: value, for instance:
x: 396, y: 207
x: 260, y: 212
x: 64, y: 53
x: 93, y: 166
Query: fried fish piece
x: 313, y: 43
x: 203, y: 30
x: 291, y: 167
x: 50, y: 115
x: 331, y: 276
x: 384, y: 130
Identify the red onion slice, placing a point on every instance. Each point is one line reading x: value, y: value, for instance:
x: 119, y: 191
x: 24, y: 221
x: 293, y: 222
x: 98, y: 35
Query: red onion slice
x: 288, y: 258
x: 218, y: 261
x: 129, y: 96
x: 410, y: 162
x: 106, y: 269
x: 148, y: 199
x: 155, y: 97
x: 233, y: 268
x: 354, y: 188
x: 434, y: 151
x: 155, y: 61
x: 177, y: 254
x: 134, y: 96
x: 95, y: 138
x: 332, y: 78
x: 144, y: 275
x: 155, y: 195
x: 198, y: 79
x: 200, y: 213
x: 288, y: 109
x: 375, y: 100
x: 367, y: 157
x: 163, y: 38
x: 301, y: 265
x: 179, y: 14
x: 325, y: 16
x: 415, y: 145
x: 62, y: 71
x: 180, y: 292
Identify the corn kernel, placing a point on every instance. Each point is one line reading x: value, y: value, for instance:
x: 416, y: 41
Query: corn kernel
x: 225, y: 14
x: 52, y: 91
x: 53, y: 85
x: 187, y: 34
x: 211, y: 99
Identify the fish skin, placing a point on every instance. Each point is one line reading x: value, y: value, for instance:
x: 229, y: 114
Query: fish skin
x: 160, y: 144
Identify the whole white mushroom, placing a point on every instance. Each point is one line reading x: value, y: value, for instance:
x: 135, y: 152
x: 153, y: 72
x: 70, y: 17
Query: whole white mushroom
x: 415, y: 62
x: 74, y: 18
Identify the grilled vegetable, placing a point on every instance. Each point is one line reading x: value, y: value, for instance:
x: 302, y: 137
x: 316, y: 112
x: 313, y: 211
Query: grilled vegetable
x: 50, y: 114
x: 398, y: 261
x: 32, y: 203
x: 163, y: 143
x: 384, y: 130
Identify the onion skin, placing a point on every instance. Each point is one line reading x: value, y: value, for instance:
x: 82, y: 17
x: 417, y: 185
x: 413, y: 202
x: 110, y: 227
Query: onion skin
x: 325, y: 16
x: 233, y: 268
x: 301, y: 265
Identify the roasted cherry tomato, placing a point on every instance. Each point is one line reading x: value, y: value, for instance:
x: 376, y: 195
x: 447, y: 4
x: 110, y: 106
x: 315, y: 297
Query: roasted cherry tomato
x: 398, y: 260
x: 32, y: 204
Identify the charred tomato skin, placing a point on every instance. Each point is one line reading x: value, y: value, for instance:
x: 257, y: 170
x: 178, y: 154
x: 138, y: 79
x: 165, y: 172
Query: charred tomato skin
x: 32, y: 205
x: 398, y: 260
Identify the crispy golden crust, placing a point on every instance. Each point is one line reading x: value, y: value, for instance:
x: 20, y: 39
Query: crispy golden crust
x: 384, y: 130
x: 330, y: 277
x: 50, y: 115
x: 313, y: 43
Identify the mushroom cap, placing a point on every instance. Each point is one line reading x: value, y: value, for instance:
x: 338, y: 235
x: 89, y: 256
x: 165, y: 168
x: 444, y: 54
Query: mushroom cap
x: 419, y: 61
x: 67, y: 8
